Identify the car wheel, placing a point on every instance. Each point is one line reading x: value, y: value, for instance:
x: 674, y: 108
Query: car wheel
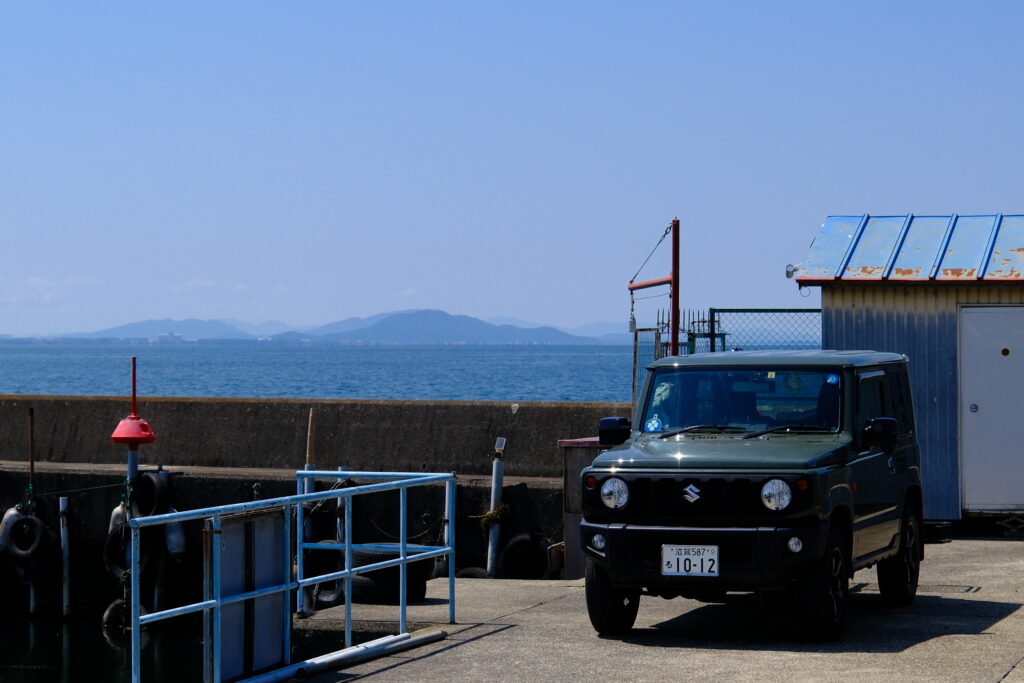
x: 898, y: 575
x: 827, y: 590
x: 612, y: 610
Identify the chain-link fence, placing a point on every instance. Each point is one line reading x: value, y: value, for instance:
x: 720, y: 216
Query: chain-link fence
x: 753, y: 329
x: 728, y: 329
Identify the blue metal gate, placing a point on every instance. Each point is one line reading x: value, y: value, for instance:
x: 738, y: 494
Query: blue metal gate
x: 290, y: 508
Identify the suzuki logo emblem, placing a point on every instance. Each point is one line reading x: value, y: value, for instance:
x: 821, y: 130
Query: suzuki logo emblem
x: 691, y: 493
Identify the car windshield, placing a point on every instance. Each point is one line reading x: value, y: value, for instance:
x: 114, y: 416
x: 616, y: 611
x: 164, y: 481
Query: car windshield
x: 752, y: 399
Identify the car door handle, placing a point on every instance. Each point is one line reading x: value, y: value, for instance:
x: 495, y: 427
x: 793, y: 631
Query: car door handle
x: 897, y: 462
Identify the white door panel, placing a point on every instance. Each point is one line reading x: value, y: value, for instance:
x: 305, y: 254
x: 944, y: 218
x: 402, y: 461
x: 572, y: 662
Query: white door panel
x: 992, y: 407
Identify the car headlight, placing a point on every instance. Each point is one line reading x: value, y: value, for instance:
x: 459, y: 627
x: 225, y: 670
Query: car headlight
x: 614, y: 493
x: 776, y: 494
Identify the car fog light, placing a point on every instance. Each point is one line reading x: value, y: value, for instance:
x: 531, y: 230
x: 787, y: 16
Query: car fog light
x: 598, y: 541
x: 795, y: 545
x: 776, y: 494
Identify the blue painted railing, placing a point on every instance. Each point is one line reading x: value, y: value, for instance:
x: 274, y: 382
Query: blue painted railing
x: 292, y: 508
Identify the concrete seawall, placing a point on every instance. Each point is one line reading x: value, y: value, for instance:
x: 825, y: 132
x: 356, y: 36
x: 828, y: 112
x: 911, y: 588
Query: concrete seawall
x: 440, y: 436
x: 222, y: 451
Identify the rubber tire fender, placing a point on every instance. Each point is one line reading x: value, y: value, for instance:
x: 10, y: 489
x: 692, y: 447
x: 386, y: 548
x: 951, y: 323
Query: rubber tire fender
x: 30, y: 551
x: 318, y: 562
x: 116, y: 553
x: 151, y: 494
x: 19, y: 550
x: 524, y: 557
x: 9, y: 518
x: 381, y: 586
x: 472, y: 573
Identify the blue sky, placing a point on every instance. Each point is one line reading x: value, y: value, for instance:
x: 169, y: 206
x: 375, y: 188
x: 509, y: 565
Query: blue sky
x: 309, y: 162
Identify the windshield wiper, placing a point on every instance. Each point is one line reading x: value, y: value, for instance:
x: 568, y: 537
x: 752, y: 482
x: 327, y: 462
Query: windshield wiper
x: 787, y: 428
x: 694, y: 428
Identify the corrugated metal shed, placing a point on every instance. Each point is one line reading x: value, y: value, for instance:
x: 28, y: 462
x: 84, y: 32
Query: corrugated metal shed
x: 916, y: 249
x: 897, y: 283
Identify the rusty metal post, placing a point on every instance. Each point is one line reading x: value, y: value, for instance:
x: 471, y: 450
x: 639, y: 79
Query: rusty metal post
x: 674, y: 322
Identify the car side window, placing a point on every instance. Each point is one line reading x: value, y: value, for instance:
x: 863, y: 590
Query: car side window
x: 898, y: 390
x: 870, y: 400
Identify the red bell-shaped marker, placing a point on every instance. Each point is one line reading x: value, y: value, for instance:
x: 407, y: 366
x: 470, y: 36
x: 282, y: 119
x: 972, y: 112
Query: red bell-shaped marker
x: 133, y: 430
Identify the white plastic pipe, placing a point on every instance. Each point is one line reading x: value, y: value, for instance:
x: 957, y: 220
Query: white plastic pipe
x: 497, y: 481
x: 381, y: 647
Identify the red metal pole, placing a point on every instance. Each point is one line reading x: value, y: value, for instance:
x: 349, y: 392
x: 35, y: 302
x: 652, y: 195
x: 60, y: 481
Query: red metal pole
x: 674, y: 322
x: 646, y: 284
x: 134, y: 414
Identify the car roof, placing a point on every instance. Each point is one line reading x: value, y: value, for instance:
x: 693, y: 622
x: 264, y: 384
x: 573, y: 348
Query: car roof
x: 777, y: 358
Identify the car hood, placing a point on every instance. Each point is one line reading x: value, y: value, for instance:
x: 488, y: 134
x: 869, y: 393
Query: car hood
x: 704, y: 451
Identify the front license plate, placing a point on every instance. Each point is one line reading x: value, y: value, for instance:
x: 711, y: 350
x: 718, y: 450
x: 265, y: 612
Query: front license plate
x: 689, y: 560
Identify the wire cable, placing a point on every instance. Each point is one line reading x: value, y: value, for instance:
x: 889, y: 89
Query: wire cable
x: 663, y: 236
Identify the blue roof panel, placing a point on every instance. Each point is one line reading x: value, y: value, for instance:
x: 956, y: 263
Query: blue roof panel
x: 1007, y: 262
x: 829, y: 247
x: 879, y: 236
x: 917, y: 254
x: 916, y: 249
x: 965, y: 254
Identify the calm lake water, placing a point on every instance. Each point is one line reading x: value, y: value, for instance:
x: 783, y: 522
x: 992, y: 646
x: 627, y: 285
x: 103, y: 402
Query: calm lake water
x: 498, y: 373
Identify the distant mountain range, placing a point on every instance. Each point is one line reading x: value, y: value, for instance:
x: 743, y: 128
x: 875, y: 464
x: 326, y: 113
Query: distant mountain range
x: 400, y: 327
x: 186, y: 329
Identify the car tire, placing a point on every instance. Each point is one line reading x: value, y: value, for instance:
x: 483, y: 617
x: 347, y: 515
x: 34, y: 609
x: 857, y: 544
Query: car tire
x: 612, y: 610
x: 898, y: 575
x: 826, y: 592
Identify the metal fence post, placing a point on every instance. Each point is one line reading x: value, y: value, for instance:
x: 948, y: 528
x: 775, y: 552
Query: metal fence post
x: 348, y: 568
x: 711, y: 328
x: 286, y: 606
x: 208, y: 595
x: 135, y: 606
x: 451, y: 489
x: 403, y: 569
x: 215, y: 571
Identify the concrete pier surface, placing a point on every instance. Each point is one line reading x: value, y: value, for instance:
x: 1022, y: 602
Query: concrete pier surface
x: 966, y: 625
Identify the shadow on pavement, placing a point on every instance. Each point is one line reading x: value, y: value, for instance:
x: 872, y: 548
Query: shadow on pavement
x: 744, y: 623
x: 471, y: 633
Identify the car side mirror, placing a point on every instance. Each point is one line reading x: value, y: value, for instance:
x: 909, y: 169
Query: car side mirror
x: 612, y: 431
x: 881, y: 432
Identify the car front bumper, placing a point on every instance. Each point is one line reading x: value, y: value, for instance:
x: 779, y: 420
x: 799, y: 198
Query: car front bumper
x: 756, y: 558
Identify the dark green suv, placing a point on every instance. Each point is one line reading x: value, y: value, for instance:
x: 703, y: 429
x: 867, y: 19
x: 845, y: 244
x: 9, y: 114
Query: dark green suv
x: 779, y: 472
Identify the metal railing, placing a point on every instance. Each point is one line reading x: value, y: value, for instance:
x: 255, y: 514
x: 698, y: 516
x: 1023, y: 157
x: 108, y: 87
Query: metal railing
x: 291, y: 507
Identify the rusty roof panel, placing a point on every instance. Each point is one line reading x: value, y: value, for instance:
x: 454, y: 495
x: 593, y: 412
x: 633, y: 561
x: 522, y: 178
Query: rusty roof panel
x: 1007, y: 262
x: 917, y: 255
x: 916, y: 249
x: 828, y: 250
x: 965, y: 254
x: 876, y: 244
